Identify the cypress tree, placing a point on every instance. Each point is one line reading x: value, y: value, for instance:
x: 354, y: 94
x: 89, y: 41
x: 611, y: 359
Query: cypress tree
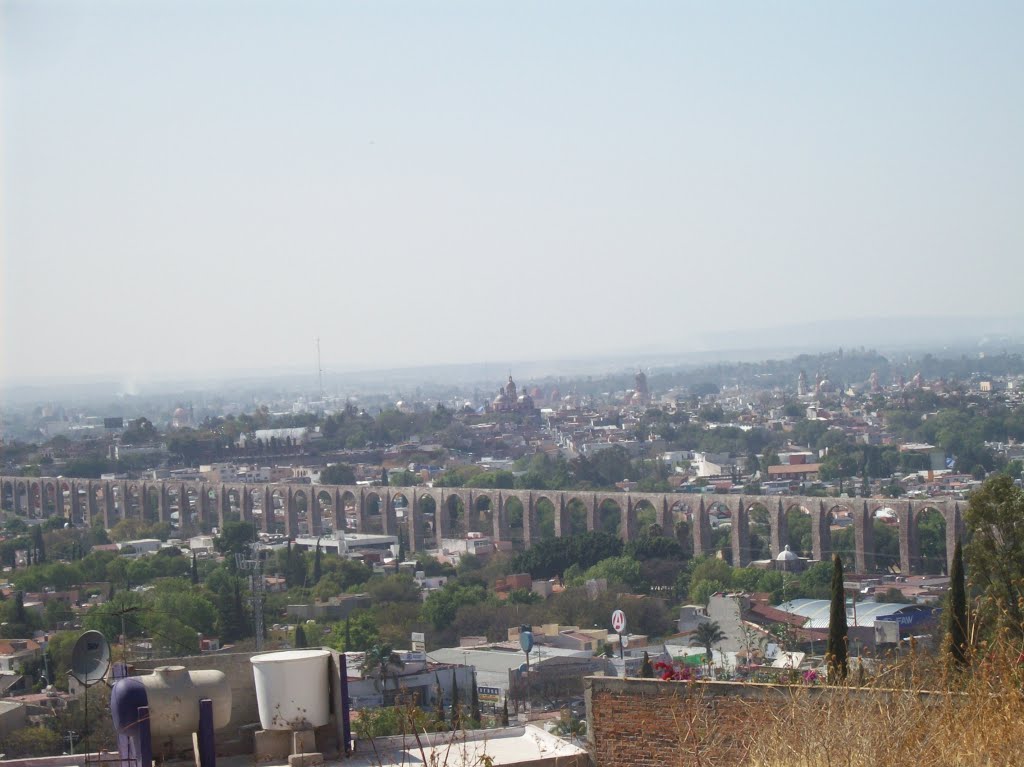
x: 957, y: 621
x: 194, y: 573
x: 836, y: 651
x: 476, y: 703
x: 300, y: 636
x: 439, y: 700
x: 288, y: 582
x: 317, y: 571
x: 504, y: 712
x: 646, y: 667
x: 456, y: 716
x: 39, y: 544
x: 348, y: 638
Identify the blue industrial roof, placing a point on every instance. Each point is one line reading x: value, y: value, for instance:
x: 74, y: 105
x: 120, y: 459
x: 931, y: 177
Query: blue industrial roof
x: 859, y: 614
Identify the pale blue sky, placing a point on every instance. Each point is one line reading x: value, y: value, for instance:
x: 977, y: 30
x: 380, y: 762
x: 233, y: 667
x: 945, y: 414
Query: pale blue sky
x: 206, y: 186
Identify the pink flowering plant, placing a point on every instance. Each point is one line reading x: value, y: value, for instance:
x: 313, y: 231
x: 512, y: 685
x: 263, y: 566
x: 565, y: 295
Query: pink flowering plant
x: 673, y: 672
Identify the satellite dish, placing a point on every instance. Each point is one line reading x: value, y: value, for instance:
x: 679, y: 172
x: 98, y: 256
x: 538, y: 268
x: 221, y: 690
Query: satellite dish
x: 90, y: 658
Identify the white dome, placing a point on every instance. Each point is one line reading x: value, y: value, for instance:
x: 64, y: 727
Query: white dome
x: 786, y: 555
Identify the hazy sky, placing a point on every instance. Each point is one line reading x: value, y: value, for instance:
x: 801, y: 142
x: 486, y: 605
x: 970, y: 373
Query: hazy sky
x: 206, y: 186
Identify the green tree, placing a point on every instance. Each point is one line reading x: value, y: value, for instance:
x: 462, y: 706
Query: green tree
x: 194, y: 571
x: 836, y: 653
x: 379, y: 661
x: 300, y: 636
x: 957, y: 612
x: 995, y: 553
x: 456, y: 714
x: 338, y: 474
x: 709, y: 634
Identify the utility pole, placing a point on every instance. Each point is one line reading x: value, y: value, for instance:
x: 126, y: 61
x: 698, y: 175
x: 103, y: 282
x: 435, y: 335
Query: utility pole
x: 254, y: 566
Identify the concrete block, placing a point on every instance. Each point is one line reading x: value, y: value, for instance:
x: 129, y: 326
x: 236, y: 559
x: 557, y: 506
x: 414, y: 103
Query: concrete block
x: 271, y: 745
x: 303, y: 741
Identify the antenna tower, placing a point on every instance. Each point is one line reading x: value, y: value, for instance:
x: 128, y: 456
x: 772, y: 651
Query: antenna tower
x: 254, y: 566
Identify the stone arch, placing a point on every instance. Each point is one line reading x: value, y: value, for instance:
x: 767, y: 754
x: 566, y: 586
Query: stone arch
x: 7, y: 495
x: 257, y: 507
x: 645, y: 517
x: 51, y: 502
x: 424, y: 534
x: 881, y: 537
x: 400, y: 511
x: 545, y: 510
x: 35, y: 499
x: 451, y: 515
x: 323, y: 510
x: 611, y: 515
x: 276, y: 512
x: 761, y: 524
x: 346, y: 515
x: 681, y: 523
x: 373, y: 513
x: 301, y: 512
x: 65, y: 499
x: 513, y: 519
x: 799, y: 519
x: 575, y: 517
x: 482, y: 513
x: 151, y: 503
x: 928, y: 555
x: 720, y: 521
x: 134, y: 502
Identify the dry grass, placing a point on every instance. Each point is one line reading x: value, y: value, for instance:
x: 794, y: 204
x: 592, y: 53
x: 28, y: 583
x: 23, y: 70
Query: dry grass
x: 919, y: 711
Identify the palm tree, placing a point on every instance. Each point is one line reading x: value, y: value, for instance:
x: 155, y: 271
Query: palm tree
x: 378, y: 661
x: 709, y: 634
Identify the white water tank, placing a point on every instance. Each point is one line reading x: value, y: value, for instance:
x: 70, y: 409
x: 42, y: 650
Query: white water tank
x: 292, y: 689
x: 174, y: 693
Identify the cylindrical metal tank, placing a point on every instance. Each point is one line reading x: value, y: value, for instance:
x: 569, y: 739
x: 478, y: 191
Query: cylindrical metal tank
x: 292, y: 689
x: 174, y: 693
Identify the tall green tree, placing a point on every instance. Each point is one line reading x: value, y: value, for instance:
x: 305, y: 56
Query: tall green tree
x: 456, y: 714
x: 439, y: 701
x: 194, y: 571
x: 300, y: 636
x: 957, y: 612
x: 38, y: 545
x: 475, y: 711
x: 836, y: 652
x: 995, y: 553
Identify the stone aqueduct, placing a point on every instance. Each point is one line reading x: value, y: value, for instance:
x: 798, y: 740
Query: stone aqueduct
x: 90, y: 501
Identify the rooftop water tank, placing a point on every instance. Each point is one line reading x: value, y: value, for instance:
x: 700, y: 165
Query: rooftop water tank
x: 292, y: 689
x: 172, y: 694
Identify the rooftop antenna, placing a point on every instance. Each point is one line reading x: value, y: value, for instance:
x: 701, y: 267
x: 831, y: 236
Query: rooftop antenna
x: 319, y: 370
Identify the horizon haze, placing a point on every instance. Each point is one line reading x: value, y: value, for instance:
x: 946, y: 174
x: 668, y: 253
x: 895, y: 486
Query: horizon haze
x: 197, y: 188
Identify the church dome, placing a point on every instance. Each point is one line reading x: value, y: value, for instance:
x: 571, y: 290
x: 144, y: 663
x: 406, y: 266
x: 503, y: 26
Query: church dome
x: 786, y: 555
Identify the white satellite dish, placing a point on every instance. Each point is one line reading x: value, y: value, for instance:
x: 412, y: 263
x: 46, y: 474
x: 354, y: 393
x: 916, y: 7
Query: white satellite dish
x: 90, y: 658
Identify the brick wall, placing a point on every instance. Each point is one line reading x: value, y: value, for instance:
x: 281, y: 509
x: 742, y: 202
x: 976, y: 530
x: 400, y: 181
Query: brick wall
x: 651, y: 723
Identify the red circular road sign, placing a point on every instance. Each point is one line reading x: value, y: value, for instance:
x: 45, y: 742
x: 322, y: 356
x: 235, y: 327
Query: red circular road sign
x: 618, y: 621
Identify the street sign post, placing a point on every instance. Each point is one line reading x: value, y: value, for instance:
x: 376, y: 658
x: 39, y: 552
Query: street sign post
x: 619, y: 624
